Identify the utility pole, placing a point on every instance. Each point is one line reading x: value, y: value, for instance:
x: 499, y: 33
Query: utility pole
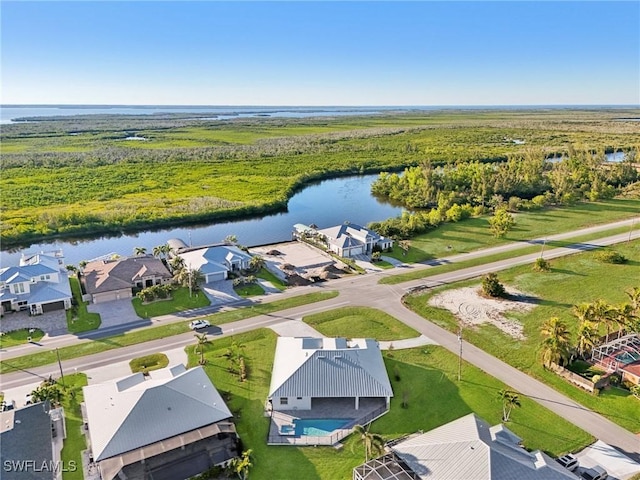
x: 460, y: 355
x: 544, y: 242
x: 60, y: 366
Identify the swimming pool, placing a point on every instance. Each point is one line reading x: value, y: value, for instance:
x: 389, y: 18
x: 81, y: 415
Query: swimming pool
x: 318, y: 427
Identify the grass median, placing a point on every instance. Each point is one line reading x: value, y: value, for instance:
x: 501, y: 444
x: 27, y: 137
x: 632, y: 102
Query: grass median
x: 155, y: 333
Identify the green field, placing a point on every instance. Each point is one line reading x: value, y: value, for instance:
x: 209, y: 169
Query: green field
x: 58, y: 181
x: 435, y: 398
x: 575, y: 279
x: 19, y: 337
x: 75, y: 442
x: 79, y: 319
x: 359, y: 322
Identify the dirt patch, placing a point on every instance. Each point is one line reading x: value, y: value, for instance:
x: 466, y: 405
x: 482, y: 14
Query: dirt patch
x: 473, y: 309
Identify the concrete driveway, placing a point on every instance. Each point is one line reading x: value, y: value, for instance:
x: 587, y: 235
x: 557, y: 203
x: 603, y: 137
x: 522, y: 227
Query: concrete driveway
x: 220, y: 293
x: 115, y: 312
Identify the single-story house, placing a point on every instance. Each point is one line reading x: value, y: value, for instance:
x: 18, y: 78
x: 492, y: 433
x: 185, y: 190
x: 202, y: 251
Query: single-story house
x: 348, y: 239
x: 26, y: 435
x: 171, y: 426
x: 464, y: 448
x: 39, y: 284
x: 305, y: 369
x: 217, y: 261
x: 114, y: 279
x: 621, y: 356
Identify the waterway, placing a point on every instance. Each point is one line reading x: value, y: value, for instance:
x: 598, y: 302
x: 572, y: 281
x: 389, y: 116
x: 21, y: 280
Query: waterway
x: 325, y: 203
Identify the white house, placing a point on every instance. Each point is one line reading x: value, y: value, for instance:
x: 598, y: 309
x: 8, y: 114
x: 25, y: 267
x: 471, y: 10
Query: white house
x: 39, y: 284
x: 306, y: 368
x: 216, y: 261
x: 170, y: 426
x: 464, y: 448
x: 349, y: 239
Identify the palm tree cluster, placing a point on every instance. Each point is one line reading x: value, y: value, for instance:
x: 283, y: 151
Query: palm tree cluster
x: 557, y: 346
x: 373, y: 442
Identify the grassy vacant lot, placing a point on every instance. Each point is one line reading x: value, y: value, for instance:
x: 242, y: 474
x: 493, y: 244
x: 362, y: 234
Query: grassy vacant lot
x: 94, y: 181
x: 75, y: 443
x: 18, y: 337
x: 573, y: 280
x: 154, y: 333
x: 473, y: 233
x: 277, y: 282
x: 359, y: 322
x: 435, y: 398
x: 180, y: 301
x: 522, y: 250
x: 149, y: 362
x: 79, y: 319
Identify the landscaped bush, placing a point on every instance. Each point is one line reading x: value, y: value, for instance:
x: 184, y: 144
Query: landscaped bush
x: 541, y: 265
x: 491, y: 286
x: 610, y: 256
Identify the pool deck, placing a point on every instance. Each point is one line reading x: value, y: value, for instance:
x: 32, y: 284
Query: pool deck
x: 324, y: 408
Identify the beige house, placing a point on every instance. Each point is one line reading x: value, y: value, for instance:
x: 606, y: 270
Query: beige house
x: 107, y: 280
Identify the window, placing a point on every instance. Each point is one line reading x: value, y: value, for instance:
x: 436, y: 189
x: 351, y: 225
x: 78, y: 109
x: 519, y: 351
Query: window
x: 284, y: 401
x: 18, y: 288
x: 298, y: 398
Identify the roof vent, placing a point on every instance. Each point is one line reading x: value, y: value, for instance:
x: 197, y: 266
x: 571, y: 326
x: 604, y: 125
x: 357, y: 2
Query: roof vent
x: 321, y: 356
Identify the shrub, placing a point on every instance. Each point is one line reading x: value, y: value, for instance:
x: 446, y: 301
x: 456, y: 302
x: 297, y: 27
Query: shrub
x: 491, y: 286
x: 541, y: 265
x: 610, y: 256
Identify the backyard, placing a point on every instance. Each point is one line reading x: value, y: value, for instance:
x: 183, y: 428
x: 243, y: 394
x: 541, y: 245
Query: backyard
x: 572, y: 280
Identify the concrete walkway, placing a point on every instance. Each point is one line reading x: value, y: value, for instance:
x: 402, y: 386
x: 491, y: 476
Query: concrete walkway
x: 407, y: 343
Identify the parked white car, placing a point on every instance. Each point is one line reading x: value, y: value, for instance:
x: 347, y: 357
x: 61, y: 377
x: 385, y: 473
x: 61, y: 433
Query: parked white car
x: 569, y: 462
x: 199, y: 324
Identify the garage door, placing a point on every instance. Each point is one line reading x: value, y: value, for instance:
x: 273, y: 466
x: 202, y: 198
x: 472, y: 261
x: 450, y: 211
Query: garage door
x: 215, y: 277
x: 50, y: 307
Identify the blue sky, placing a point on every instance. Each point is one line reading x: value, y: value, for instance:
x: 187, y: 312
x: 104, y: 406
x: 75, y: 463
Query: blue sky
x: 325, y: 53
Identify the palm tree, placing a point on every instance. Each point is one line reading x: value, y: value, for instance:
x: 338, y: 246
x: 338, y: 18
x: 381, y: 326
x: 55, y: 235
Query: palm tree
x: 157, y: 251
x: 584, y: 312
x: 177, y: 264
x: 241, y: 465
x: 587, y: 337
x: 634, y: 297
x: 230, y: 239
x: 257, y: 262
x: 373, y: 442
x: 139, y: 251
x: 202, y: 341
x: 626, y: 317
x: 510, y: 400
x: 604, y: 314
x: 555, y: 347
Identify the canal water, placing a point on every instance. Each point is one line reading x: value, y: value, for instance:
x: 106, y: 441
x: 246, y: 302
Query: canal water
x: 325, y: 203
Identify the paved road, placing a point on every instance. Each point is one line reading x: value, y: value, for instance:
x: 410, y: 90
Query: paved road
x: 366, y: 291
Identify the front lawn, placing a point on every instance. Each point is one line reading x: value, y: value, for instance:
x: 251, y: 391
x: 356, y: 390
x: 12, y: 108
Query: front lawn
x: 434, y: 398
x: 180, y: 300
x: 79, y: 319
x: 573, y: 280
x: 249, y: 290
x: 360, y: 322
x: 276, y: 281
x: 75, y: 442
x: 19, y: 337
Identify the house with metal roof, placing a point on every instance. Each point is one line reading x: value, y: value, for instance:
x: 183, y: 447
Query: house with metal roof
x: 215, y: 262
x: 466, y: 448
x: 27, y: 452
x: 170, y: 426
x: 306, y: 368
x: 115, y: 278
x: 39, y: 284
x: 350, y: 239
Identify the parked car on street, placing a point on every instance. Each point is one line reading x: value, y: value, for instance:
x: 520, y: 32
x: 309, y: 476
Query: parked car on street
x: 569, y: 462
x: 595, y: 473
x: 199, y: 324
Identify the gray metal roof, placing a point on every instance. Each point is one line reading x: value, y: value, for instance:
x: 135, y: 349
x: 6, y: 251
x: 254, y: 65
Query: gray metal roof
x: 328, y: 368
x: 133, y: 412
x: 28, y: 439
x: 468, y: 448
